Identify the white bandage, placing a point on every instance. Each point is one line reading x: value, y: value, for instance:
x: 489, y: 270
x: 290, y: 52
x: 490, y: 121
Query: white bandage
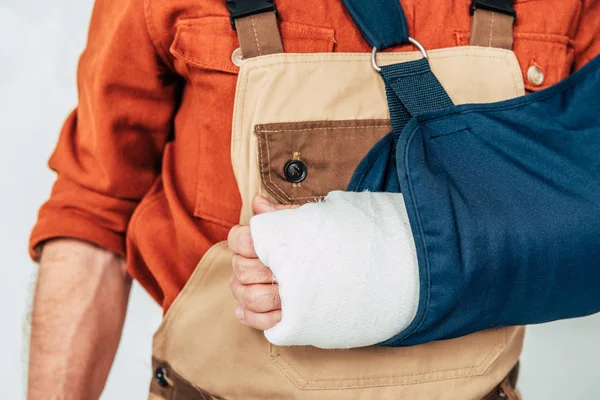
x: 346, y: 267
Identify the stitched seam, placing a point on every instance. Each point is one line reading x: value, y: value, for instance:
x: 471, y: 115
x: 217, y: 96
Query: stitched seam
x: 438, y: 135
x: 492, y: 354
x: 255, y: 35
x: 269, y: 167
x: 158, y: 45
x: 291, y: 198
x: 322, y: 128
x: 491, y: 29
x: 532, y: 98
x: 141, y: 210
x: 196, y: 62
x: 413, y: 199
x: 307, y: 33
x: 197, y: 277
x: 559, y: 40
x: 255, y: 68
x: 262, y: 170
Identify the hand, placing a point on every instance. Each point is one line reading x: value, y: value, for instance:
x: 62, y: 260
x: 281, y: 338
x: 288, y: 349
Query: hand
x: 252, y: 283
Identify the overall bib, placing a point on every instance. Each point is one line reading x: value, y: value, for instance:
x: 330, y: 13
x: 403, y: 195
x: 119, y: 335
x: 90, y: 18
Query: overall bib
x: 302, y: 123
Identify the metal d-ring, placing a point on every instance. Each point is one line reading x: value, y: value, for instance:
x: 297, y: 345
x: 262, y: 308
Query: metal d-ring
x: 413, y: 41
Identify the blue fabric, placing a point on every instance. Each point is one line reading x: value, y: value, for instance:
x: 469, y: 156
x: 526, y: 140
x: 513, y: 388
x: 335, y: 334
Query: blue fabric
x: 381, y: 22
x: 504, y: 205
x: 411, y: 89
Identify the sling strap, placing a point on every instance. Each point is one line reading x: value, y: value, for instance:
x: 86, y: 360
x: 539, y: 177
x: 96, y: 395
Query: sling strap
x: 492, y: 23
x: 255, y: 22
x: 381, y: 22
x: 412, y: 89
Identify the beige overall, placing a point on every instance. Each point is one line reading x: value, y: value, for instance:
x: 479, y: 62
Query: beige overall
x: 327, y: 110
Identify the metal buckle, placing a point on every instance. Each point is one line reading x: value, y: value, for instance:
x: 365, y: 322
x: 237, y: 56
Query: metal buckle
x: 411, y: 40
x: 244, y: 8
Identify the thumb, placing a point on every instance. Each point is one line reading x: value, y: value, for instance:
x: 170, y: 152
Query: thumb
x: 261, y: 205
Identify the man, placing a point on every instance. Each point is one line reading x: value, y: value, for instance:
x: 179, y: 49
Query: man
x: 153, y: 123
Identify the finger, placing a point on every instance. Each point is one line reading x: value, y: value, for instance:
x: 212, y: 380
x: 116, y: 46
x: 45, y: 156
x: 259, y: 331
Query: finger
x: 261, y: 321
x: 258, y: 298
x: 240, y: 241
x: 261, y: 205
x: 251, y: 270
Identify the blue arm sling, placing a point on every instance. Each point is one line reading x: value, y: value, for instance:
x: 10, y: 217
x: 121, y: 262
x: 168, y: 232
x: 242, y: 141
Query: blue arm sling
x: 503, y: 201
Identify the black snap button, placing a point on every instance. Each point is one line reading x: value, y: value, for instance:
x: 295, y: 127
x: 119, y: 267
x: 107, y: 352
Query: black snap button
x: 160, y: 376
x: 295, y: 171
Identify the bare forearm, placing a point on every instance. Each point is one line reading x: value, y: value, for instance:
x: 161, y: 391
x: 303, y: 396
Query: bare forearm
x: 79, y: 308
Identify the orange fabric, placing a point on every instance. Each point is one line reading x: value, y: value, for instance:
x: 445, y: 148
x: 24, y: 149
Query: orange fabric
x: 143, y: 163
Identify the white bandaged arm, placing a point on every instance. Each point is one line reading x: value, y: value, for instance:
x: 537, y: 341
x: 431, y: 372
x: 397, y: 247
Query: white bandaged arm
x: 346, y: 267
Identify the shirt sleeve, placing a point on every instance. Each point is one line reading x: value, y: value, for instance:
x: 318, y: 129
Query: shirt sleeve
x: 587, y: 38
x: 110, y: 148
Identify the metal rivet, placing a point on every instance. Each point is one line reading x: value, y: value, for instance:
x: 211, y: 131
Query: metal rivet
x: 160, y: 376
x: 535, y: 75
x: 236, y: 57
x: 295, y: 171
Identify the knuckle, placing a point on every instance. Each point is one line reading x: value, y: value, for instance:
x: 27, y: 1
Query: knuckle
x: 253, y: 296
x: 274, y: 298
x: 251, y: 319
x: 276, y: 318
x: 245, y: 240
x: 231, y: 236
x: 239, y: 269
x: 266, y: 274
x: 238, y: 293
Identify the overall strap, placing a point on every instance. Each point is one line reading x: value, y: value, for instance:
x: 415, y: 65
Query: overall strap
x: 492, y: 23
x: 381, y: 22
x: 255, y: 22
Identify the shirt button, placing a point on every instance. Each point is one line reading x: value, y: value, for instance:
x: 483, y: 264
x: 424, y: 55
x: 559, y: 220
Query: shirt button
x: 295, y: 171
x: 535, y: 75
x: 160, y: 376
x: 236, y: 57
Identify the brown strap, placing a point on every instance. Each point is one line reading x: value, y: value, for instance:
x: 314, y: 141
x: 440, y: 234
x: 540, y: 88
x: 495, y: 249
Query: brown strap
x: 259, y: 35
x: 492, y: 29
x: 507, y: 389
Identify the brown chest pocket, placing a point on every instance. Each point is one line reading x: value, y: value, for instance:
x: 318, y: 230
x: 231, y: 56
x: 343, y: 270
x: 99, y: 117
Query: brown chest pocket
x: 303, y: 161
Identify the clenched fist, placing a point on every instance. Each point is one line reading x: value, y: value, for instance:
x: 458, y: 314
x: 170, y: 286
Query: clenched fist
x: 251, y: 282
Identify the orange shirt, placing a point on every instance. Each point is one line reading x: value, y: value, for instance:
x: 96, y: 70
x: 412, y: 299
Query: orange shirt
x: 143, y: 162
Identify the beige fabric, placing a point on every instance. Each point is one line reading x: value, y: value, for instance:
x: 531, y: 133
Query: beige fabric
x: 200, y: 337
x: 492, y: 29
x: 345, y: 87
x: 259, y: 35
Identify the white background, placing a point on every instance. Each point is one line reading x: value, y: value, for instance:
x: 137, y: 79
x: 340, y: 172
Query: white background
x: 40, y: 42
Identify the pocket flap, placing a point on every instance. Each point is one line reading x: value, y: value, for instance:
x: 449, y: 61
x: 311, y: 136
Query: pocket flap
x: 327, y: 153
x: 550, y: 55
x: 209, y: 42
